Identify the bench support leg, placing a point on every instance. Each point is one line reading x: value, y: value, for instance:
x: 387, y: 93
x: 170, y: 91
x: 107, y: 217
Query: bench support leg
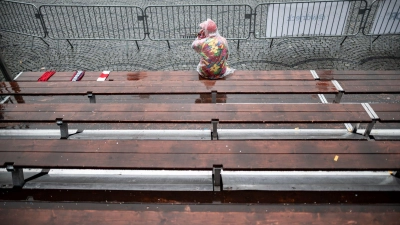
x: 338, y: 97
x: 356, y: 127
x: 349, y: 127
x: 217, y: 178
x: 4, y: 100
x: 322, y: 98
x: 17, y: 175
x: 340, y: 93
x: 396, y: 174
x: 91, y: 96
x: 63, y: 128
x: 214, y: 134
x: 213, y: 96
x: 369, y: 128
x: 352, y: 129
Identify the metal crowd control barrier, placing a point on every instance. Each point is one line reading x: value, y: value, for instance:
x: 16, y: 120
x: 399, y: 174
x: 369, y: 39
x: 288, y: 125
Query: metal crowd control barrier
x: 309, y: 19
x: 181, y: 22
x: 21, y: 18
x: 385, y: 19
x: 72, y: 22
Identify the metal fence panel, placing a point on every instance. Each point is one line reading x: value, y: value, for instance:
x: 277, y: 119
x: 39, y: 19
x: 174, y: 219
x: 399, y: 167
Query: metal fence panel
x: 309, y: 19
x: 182, y: 22
x: 71, y: 22
x: 20, y: 18
x: 385, y: 19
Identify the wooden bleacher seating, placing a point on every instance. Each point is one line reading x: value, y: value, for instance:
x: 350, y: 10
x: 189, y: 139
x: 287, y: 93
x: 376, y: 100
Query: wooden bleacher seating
x: 187, y: 82
x: 170, y: 76
x: 171, y: 83
x: 366, y: 154
x: 168, y: 213
x: 62, y: 114
x: 202, y: 155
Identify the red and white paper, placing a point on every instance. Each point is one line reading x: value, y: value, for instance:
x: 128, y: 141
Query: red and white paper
x: 103, y: 76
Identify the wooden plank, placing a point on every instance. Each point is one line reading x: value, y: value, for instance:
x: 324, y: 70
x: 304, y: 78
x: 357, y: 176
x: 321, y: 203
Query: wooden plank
x: 387, y: 113
x: 358, y: 72
x: 389, y: 117
x: 202, y: 147
x: 379, y: 89
x: 161, y: 99
x: 108, y: 213
x: 206, y: 83
x: 233, y: 155
x: 193, y: 75
x: 174, y: 75
x: 184, y: 117
x: 371, y: 86
x: 172, y: 90
x: 376, y: 82
x: 197, y: 161
x: 193, y: 87
x: 185, y: 113
x: 176, y: 107
x: 358, y: 75
x: 385, y: 107
x: 239, y: 75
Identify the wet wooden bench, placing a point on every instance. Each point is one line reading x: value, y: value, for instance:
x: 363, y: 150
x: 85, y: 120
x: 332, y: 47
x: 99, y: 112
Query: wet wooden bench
x: 66, y: 113
x: 190, y: 75
x: 187, y: 82
x: 342, y: 75
x: 233, y: 155
x: 199, y: 155
x: 363, y: 82
x: 42, y: 212
x: 213, y: 88
x: 283, y: 82
x: 382, y: 113
x: 387, y: 113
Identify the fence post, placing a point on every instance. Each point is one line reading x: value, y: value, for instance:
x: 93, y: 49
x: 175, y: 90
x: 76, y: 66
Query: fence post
x: 4, y: 70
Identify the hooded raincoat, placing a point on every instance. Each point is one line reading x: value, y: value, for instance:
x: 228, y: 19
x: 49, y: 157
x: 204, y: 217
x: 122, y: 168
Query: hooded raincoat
x: 214, y: 52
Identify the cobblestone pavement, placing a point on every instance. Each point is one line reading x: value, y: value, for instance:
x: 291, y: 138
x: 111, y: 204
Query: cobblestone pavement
x: 253, y: 54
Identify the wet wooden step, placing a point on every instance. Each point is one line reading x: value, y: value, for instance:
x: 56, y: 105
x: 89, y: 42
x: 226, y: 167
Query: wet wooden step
x: 184, y: 113
x: 115, y: 213
x: 358, y: 74
x: 172, y: 75
x: 167, y: 87
x: 198, y: 155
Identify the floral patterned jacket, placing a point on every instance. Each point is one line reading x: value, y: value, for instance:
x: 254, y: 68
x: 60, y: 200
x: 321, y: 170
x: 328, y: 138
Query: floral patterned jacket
x: 214, y: 53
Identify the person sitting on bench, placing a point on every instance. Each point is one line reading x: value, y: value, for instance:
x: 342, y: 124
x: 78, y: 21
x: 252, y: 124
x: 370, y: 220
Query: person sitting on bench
x: 213, y: 49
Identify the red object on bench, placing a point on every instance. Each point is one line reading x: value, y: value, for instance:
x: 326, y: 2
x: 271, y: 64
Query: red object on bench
x: 103, y: 76
x: 46, y: 76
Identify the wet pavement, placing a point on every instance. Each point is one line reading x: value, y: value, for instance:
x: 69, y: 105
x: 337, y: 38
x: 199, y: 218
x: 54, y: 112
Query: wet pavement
x: 253, y: 54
